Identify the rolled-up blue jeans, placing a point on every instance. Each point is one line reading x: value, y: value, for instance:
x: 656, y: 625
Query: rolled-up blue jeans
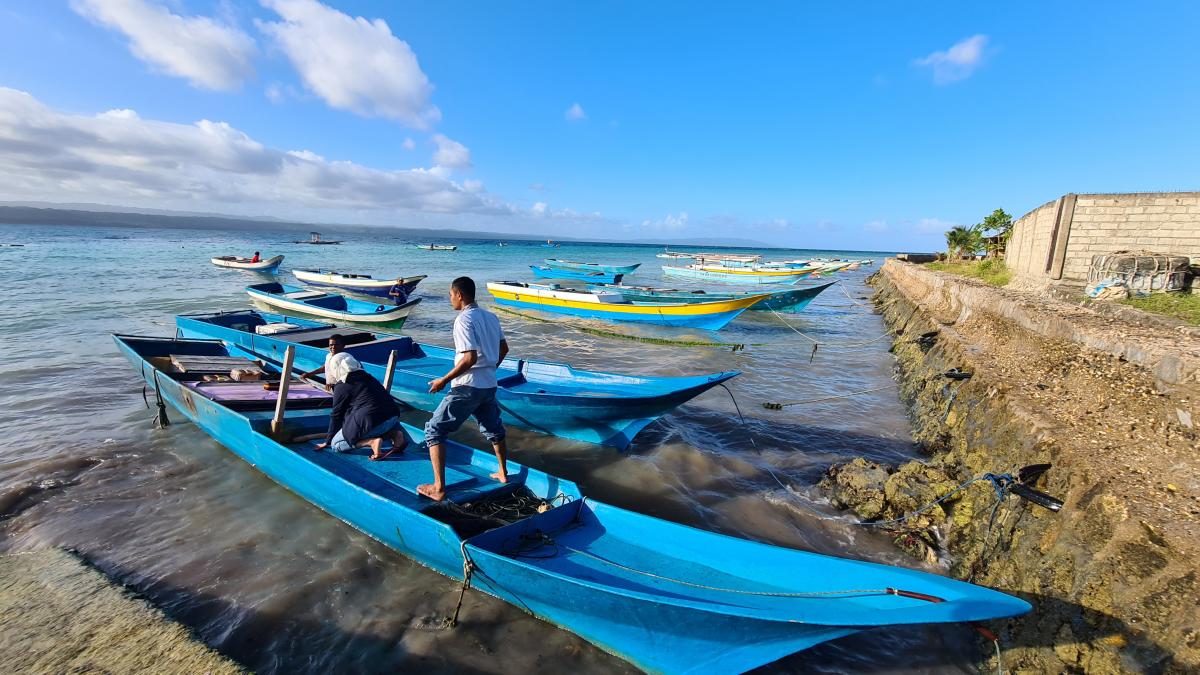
x: 460, y: 403
x: 339, y: 443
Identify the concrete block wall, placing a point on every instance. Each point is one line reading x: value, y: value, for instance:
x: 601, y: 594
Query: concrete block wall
x: 1057, y: 240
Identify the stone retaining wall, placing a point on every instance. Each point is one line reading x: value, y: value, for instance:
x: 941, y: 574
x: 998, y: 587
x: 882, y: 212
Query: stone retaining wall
x: 1056, y: 241
x: 1112, y: 576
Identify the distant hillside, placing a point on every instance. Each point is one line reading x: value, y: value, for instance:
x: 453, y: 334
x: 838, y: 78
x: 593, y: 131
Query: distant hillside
x: 32, y: 215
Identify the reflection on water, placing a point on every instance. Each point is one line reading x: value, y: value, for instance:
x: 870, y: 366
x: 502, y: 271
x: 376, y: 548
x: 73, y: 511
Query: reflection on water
x: 280, y: 586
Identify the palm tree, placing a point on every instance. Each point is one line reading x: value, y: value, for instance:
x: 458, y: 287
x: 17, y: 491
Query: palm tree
x: 962, y: 240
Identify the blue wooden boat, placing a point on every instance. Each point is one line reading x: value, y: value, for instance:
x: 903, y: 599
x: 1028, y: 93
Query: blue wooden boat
x: 330, y: 305
x: 543, y: 272
x: 395, y: 288
x: 590, y: 267
x: 606, y: 306
x: 667, y: 597
x: 551, y: 398
x: 791, y: 300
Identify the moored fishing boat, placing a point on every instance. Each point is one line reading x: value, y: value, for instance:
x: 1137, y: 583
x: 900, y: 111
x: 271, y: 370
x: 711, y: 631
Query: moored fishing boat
x: 329, y: 305
x: 436, y: 247
x: 664, y: 596
x: 590, y: 267
x: 790, y: 300
x: 543, y: 272
x: 398, y: 288
x: 551, y: 398
x: 735, y: 275
x: 315, y: 239
x: 614, y: 307
x: 234, y: 262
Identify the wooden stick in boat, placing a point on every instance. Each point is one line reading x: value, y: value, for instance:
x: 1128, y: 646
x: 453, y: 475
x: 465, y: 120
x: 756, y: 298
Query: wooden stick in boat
x: 391, y: 371
x: 285, y: 377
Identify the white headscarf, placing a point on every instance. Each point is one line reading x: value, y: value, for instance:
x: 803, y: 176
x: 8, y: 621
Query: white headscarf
x: 340, y: 366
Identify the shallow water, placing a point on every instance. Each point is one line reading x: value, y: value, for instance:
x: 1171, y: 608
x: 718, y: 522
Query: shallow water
x: 280, y: 586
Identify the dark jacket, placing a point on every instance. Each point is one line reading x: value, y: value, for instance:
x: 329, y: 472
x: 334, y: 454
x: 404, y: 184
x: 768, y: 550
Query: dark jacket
x: 359, y: 404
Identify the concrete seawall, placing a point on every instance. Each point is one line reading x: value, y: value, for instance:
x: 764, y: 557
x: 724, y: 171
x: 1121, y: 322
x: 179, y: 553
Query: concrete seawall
x: 1110, y: 404
x: 59, y: 615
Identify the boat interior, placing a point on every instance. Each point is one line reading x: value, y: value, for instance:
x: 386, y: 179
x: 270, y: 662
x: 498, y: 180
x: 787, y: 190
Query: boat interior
x: 475, y: 501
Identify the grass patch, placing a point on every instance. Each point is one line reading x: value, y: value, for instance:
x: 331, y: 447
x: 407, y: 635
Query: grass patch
x: 1184, y: 306
x: 992, y: 271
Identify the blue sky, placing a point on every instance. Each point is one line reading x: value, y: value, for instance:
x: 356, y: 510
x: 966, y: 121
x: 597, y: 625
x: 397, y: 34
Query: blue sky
x: 852, y: 126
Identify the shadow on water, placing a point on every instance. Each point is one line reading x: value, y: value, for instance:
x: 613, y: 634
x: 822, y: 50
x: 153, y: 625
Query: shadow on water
x: 290, y: 639
x: 284, y: 641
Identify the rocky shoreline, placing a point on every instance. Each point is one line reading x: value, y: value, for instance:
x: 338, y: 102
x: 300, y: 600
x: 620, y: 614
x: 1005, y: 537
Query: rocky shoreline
x: 1109, y: 405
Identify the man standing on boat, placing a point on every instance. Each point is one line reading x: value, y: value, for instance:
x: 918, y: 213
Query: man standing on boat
x: 479, y: 347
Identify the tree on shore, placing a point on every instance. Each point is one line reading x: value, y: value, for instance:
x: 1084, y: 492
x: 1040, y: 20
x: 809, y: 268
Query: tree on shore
x: 962, y: 240
x: 995, y: 231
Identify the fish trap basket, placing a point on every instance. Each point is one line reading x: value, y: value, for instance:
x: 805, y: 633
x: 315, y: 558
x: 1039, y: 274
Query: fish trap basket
x: 1142, y: 272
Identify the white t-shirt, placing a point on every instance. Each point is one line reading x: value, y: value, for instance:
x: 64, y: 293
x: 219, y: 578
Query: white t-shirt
x: 478, y: 330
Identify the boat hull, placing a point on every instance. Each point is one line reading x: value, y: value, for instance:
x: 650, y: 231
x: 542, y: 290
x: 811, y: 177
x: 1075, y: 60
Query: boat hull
x: 706, y: 315
x: 268, y: 265
x: 666, y: 597
x: 792, y: 300
x: 542, y: 272
x: 551, y: 398
x: 381, y: 288
x: 733, y: 277
x: 555, y: 263
x: 330, y: 306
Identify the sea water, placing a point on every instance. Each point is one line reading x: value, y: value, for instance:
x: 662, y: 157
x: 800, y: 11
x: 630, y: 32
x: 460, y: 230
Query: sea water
x: 278, y: 585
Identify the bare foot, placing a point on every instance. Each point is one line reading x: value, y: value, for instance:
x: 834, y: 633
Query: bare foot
x: 432, y: 491
x: 374, y: 444
x: 500, y: 476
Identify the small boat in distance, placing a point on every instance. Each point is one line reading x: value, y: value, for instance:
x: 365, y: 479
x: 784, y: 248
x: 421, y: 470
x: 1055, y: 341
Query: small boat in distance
x: 542, y: 396
x: 666, y: 597
x: 329, y: 305
x: 559, y: 264
x: 610, y: 306
x: 398, y: 288
x: 436, y: 247
x: 549, y: 244
x: 315, y: 239
x: 736, y: 275
x: 234, y: 262
x: 791, y: 300
x: 543, y: 272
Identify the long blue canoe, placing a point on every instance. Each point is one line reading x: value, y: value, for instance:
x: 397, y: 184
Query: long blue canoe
x: 544, y: 272
x: 666, y: 597
x: 556, y: 263
x: 791, y: 300
x: 552, y: 398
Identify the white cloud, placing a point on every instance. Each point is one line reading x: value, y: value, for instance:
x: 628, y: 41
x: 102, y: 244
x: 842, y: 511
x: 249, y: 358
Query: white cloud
x: 958, y: 62
x: 118, y: 157
x: 933, y: 226
x: 207, y: 54
x: 876, y: 226
x: 274, y: 92
x: 575, y: 113
x: 668, y: 223
x: 539, y: 209
x: 409, y: 144
x: 472, y: 185
x: 352, y: 63
x: 450, y: 153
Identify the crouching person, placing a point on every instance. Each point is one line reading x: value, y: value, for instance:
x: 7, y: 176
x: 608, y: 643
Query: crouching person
x: 364, y: 414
